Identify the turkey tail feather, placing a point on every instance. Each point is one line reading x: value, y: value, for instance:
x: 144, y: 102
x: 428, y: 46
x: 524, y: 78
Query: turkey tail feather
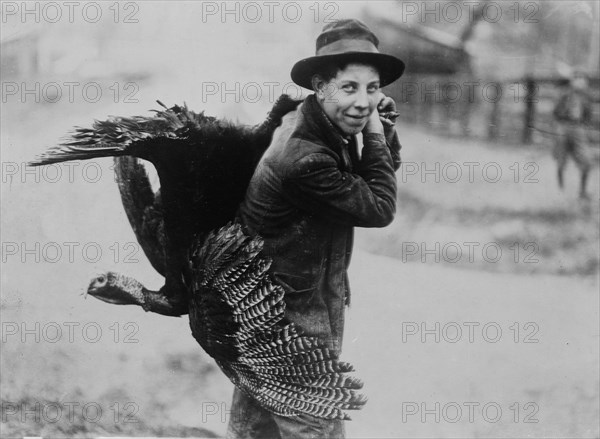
x: 118, y: 136
x: 68, y: 152
x: 236, y: 314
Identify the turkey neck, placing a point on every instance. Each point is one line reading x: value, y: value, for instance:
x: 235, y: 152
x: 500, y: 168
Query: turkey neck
x: 153, y: 301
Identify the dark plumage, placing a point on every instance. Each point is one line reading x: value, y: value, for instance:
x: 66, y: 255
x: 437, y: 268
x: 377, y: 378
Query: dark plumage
x: 213, y: 270
x: 237, y: 316
x: 204, y: 165
x: 143, y: 208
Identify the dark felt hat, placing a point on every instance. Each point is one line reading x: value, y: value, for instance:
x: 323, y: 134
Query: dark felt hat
x: 347, y: 40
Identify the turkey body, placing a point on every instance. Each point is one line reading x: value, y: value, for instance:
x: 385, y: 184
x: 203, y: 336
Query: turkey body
x: 213, y: 270
x: 204, y: 165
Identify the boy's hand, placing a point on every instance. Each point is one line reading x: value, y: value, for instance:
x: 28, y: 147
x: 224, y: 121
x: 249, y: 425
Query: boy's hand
x: 387, y: 111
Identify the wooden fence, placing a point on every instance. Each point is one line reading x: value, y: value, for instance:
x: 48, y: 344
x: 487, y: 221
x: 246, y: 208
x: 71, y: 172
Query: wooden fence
x: 512, y: 112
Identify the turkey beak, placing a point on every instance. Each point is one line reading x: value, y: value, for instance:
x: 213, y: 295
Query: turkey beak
x: 100, y: 293
x: 110, y: 295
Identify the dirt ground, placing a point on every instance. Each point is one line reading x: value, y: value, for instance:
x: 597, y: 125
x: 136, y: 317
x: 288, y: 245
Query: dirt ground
x: 468, y: 349
x: 494, y: 343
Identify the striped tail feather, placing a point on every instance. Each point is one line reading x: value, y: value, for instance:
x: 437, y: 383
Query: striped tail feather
x: 237, y: 315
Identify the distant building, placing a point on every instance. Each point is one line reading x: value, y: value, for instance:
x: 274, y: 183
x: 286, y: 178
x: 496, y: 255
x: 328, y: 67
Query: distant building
x: 20, y: 54
x: 424, y: 49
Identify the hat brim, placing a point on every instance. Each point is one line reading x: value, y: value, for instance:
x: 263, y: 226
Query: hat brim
x: 390, y: 68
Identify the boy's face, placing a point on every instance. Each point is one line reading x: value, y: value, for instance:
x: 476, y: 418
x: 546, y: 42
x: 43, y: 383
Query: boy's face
x: 350, y: 98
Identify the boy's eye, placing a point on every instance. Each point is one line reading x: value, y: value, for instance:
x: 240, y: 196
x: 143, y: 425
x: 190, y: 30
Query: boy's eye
x: 348, y: 87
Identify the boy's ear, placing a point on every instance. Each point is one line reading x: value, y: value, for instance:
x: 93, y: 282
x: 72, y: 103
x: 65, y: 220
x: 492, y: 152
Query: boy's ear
x: 318, y: 85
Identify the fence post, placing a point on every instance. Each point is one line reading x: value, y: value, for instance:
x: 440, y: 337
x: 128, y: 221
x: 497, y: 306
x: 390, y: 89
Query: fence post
x: 493, y: 125
x: 530, y: 91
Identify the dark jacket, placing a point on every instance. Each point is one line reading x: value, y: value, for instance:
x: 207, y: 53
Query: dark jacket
x: 573, y: 107
x: 308, y: 192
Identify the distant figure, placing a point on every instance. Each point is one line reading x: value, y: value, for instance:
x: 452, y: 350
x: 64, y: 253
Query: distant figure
x: 573, y: 114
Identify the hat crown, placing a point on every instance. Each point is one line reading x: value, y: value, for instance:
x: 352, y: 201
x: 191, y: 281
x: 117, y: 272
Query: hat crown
x: 345, y: 29
x: 346, y: 41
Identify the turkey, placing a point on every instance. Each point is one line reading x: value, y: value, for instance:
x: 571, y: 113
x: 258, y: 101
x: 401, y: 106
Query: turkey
x: 204, y: 166
x: 214, y: 271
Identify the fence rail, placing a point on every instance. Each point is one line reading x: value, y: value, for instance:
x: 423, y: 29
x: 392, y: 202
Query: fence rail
x: 513, y: 112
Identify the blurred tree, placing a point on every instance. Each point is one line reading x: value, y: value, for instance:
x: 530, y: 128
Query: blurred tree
x: 515, y: 38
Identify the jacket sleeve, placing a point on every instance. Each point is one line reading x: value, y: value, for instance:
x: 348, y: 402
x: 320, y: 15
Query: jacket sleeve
x: 393, y: 143
x: 366, y: 198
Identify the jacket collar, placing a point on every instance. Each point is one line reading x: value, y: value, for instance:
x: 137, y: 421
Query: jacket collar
x: 319, y: 128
